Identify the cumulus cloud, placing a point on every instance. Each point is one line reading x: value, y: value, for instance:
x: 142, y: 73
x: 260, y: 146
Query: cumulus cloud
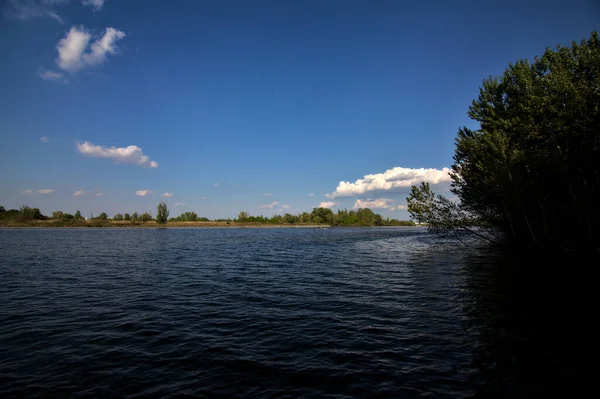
x: 398, y: 208
x: 391, y: 179
x: 46, y: 191
x: 285, y: 207
x: 130, y: 154
x: 178, y: 204
x: 270, y: 206
x: 95, y: 4
x: 79, y: 193
x: 166, y: 195
x: 51, y: 75
x: 143, y: 193
x: 27, y: 192
x: 44, y: 139
x: 380, y: 203
x: 72, y: 55
x: 268, y: 194
x: 311, y: 194
x: 327, y: 204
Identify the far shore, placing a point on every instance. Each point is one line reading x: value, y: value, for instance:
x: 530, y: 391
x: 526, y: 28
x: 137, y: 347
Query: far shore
x: 152, y: 224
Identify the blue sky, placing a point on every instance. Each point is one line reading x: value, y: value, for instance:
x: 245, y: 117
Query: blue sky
x: 263, y: 106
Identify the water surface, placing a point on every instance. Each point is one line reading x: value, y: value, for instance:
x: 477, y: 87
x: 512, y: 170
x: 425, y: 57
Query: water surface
x: 374, y: 312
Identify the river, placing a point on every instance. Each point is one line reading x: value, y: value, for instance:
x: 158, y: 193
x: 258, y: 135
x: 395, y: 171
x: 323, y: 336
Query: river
x: 269, y: 313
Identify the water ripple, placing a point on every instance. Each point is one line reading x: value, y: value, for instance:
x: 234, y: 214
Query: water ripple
x: 270, y: 313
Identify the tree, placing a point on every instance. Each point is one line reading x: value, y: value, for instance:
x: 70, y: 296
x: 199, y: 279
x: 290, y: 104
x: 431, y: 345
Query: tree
x: 162, y: 213
x: 322, y: 215
x: 145, y: 217
x: 103, y: 216
x: 242, y: 217
x: 2, y: 209
x: 445, y: 217
x: 126, y: 217
x: 78, y: 215
x: 135, y: 217
x: 118, y: 216
x: 532, y: 168
x: 57, y: 215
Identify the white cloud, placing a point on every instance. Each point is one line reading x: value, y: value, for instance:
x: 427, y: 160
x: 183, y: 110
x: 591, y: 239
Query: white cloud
x: 79, y: 193
x: 44, y: 139
x: 398, y: 208
x: 32, y: 9
x: 27, y: 192
x: 106, y: 45
x: 327, y: 204
x: 382, y: 203
x: 311, y: 194
x: 285, y: 207
x: 143, y: 193
x: 178, y: 204
x: 95, y: 4
x: 268, y: 194
x: 71, y: 49
x: 166, y: 195
x: 203, y: 197
x: 46, y: 191
x: 270, y: 206
x: 51, y: 75
x: 391, y: 179
x: 100, y: 194
x: 130, y: 154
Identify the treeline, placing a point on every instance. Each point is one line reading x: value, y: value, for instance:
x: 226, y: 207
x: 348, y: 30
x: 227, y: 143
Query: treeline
x: 359, y: 217
x: 343, y: 217
x: 23, y: 214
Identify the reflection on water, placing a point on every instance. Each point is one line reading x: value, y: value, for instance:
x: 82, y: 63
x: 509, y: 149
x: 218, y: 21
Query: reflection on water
x: 384, y: 312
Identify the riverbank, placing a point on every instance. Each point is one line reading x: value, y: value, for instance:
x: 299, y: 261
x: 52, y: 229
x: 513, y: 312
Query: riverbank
x: 152, y: 224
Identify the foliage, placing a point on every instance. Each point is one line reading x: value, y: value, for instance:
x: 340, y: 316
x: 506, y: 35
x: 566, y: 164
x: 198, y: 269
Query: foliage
x: 145, y: 217
x: 135, y: 217
x: 532, y: 168
x: 126, y: 216
x: 188, y: 217
x: 242, y: 217
x: 103, y: 216
x: 443, y: 216
x: 78, y: 215
x: 162, y: 213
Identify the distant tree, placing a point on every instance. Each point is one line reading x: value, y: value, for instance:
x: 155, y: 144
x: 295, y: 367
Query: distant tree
x: 322, y: 215
x: 78, y: 215
x: 2, y: 210
x: 57, y: 215
x: 242, y: 217
x: 126, y: 217
x: 118, y: 217
x: 135, y: 217
x: 28, y: 213
x: 162, y: 213
x: 145, y: 217
x: 103, y: 216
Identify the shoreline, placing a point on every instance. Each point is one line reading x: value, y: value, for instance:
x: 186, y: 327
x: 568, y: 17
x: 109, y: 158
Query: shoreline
x: 172, y: 225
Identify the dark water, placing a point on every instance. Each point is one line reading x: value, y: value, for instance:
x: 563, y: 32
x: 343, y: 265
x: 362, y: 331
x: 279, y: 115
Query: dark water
x: 388, y: 312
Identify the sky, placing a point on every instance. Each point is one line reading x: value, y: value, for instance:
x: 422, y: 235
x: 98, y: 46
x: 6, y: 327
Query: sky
x: 268, y: 107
